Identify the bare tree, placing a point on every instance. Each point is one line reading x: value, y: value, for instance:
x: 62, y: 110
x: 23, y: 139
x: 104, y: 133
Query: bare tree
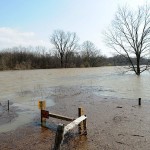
x: 130, y: 36
x: 64, y: 43
x: 89, y: 53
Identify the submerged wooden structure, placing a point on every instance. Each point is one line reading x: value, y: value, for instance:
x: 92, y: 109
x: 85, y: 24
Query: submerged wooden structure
x: 61, y: 128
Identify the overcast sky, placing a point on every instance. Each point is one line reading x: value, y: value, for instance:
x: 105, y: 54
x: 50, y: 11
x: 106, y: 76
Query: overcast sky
x: 31, y: 22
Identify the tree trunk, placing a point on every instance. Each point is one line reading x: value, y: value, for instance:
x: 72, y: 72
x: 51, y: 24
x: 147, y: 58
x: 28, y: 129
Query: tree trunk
x: 138, y: 66
x: 61, y: 60
x: 66, y: 60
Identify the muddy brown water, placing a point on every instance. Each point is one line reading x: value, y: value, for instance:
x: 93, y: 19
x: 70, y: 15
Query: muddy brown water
x: 25, y: 88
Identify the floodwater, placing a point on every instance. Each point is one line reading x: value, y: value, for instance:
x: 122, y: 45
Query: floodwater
x: 110, y: 80
x: 25, y: 88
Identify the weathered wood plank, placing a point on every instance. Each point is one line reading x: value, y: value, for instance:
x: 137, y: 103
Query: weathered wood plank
x: 45, y: 113
x: 74, y: 123
x: 61, y: 117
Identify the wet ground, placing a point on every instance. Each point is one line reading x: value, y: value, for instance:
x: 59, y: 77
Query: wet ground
x: 112, y: 124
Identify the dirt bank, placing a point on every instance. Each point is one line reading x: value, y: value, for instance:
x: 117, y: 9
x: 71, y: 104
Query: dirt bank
x: 113, y: 124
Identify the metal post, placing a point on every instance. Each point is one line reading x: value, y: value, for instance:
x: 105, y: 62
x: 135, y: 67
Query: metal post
x: 8, y: 105
x: 139, y: 101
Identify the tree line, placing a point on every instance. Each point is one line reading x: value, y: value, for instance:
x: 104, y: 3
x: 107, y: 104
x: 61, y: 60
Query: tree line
x: 19, y: 58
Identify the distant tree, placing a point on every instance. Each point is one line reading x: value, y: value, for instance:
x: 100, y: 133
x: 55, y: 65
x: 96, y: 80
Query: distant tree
x: 89, y: 53
x: 130, y: 36
x: 64, y: 43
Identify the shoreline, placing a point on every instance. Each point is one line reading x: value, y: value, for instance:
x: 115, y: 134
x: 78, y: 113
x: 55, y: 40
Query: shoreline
x: 112, y: 124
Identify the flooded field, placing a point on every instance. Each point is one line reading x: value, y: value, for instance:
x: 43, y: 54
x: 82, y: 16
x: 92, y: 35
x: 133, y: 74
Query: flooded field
x: 109, y: 80
x: 24, y: 88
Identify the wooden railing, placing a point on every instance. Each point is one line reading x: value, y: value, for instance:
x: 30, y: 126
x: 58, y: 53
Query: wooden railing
x: 61, y: 128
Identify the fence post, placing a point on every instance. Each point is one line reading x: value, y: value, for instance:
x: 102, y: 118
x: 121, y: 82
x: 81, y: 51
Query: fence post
x: 41, y: 112
x: 59, y: 137
x: 8, y: 105
x: 80, y: 113
x: 42, y: 106
x: 84, y: 126
x: 139, y: 101
x: 41, y: 118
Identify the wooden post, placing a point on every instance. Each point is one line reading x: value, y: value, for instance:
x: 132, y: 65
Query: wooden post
x: 80, y: 113
x: 41, y: 113
x: 84, y: 126
x: 8, y: 105
x: 59, y: 137
x: 42, y: 106
x: 139, y: 101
